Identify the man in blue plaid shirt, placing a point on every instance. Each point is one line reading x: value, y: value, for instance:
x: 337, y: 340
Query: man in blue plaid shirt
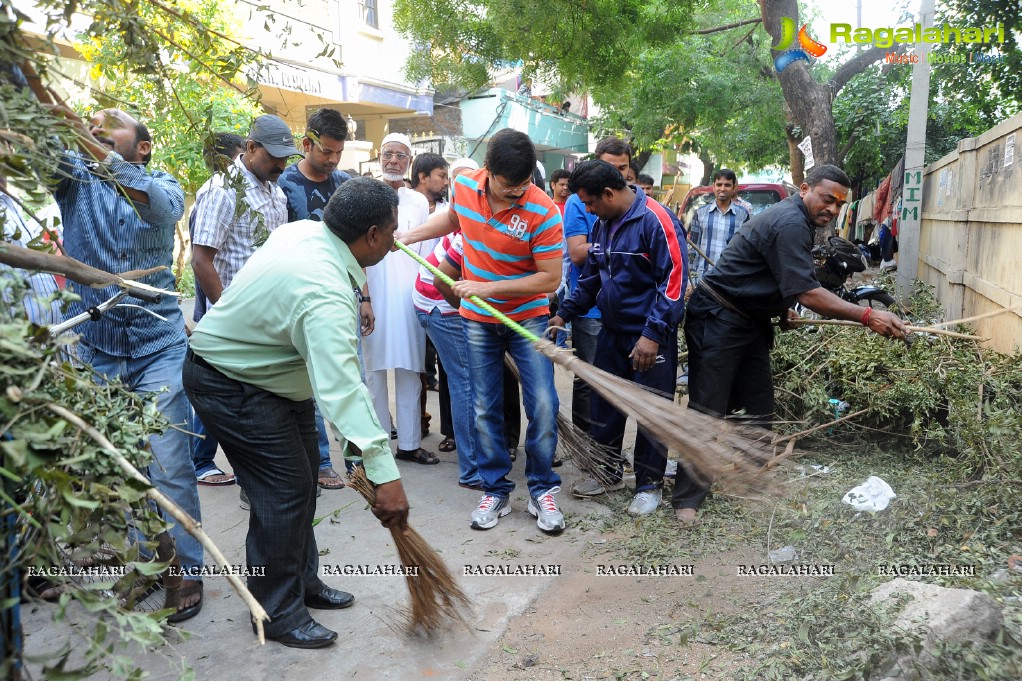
x: 714, y: 224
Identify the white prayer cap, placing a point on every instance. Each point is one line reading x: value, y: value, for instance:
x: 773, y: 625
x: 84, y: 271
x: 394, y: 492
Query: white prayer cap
x: 399, y: 138
x: 464, y: 163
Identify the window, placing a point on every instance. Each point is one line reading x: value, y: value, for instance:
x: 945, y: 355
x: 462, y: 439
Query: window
x: 370, y: 12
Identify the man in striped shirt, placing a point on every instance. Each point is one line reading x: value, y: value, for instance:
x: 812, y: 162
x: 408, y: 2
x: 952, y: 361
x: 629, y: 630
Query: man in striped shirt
x: 226, y: 238
x: 512, y: 259
x: 714, y: 224
x: 119, y: 216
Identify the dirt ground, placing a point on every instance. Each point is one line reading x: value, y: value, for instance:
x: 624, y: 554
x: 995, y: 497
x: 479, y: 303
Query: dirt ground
x: 593, y: 626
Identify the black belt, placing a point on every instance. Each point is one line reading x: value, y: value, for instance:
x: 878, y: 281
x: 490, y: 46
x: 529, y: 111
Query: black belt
x: 195, y: 359
x: 720, y: 299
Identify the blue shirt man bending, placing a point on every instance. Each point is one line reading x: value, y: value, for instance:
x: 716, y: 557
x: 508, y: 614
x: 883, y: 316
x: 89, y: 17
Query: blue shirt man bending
x: 119, y: 216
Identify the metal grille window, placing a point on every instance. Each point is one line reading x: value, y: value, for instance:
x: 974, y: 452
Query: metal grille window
x: 370, y: 12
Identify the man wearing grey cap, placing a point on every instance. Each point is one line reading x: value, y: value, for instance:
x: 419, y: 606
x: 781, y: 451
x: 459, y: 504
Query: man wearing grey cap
x: 224, y: 238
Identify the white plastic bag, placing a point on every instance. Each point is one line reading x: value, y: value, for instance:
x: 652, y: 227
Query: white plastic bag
x: 873, y: 495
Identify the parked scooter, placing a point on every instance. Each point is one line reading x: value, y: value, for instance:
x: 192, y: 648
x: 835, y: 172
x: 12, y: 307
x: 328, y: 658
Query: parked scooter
x: 836, y: 262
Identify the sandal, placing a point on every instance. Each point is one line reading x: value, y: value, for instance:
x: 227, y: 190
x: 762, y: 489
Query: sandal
x: 419, y: 455
x: 190, y: 588
x: 215, y: 477
x: 447, y: 445
x: 329, y: 479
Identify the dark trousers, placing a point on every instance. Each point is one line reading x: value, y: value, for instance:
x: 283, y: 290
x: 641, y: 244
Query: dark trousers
x: 650, y: 456
x: 728, y: 371
x: 446, y: 418
x: 272, y: 443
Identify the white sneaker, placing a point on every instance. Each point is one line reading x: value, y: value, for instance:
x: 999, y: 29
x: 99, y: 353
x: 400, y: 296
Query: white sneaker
x: 646, y: 502
x: 888, y: 265
x: 591, y: 487
x: 548, y: 517
x: 490, y: 510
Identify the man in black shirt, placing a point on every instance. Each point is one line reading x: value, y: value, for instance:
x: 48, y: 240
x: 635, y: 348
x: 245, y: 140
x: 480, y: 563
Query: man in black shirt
x: 765, y: 269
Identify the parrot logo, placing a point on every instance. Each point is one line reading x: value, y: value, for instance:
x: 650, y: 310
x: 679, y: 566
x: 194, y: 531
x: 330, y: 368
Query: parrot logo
x: 807, y: 46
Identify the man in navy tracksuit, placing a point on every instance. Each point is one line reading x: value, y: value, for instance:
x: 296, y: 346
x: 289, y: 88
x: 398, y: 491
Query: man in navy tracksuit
x: 636, y: 273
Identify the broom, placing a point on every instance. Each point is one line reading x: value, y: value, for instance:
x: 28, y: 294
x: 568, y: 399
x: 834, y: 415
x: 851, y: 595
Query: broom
x: 710, y: 449
x: 590, y: 457
x: 436, y: 598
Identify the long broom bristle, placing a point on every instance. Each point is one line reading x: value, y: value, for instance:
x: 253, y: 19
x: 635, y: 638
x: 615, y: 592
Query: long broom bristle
x: 437, y: 600
x: 710, y: 449
x: 575, y: 445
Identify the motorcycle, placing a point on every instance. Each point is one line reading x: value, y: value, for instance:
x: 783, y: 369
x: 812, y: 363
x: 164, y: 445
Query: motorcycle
x: 836, y: 262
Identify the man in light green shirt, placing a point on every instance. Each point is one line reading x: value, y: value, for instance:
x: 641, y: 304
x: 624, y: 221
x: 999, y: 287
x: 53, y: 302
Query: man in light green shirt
x: 283, y: 333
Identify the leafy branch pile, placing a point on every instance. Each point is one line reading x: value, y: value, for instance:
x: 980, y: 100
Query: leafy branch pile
x: 70, y: 507
x: 947, y: 397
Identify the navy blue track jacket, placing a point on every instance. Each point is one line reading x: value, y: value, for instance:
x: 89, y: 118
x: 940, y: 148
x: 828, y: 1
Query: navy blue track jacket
x: 636, y: 274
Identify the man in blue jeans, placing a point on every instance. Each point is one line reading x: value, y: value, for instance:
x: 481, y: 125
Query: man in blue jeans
x: 512, y: 256
x: 119, y: 216
x: 636, y: 273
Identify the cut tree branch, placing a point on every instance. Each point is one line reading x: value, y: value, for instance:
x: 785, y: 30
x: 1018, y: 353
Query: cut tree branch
x: 186, y: 521
x: 75, y: 270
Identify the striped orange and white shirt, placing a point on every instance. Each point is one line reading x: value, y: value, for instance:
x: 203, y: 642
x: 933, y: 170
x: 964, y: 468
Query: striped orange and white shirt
x: 505, y: 245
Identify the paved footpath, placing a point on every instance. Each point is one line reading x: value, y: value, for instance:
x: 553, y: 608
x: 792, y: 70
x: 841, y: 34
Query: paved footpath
x: 372, y: 644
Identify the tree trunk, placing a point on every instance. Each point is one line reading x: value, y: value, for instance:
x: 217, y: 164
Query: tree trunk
x: 642, y: 158
x: 795, y: 157
x: 708, y: 167
x: 809, y: 102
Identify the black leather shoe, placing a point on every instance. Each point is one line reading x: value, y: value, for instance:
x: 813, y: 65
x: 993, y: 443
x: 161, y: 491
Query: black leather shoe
x: 310, y: 635
x: 330, y: 599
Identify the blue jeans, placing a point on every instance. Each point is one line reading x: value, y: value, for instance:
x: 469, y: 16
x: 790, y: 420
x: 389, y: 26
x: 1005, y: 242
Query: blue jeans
x: 487, y: 343
x: 584, y: 332
x: 448, y: 335
x: 323, y: 441
x: 171, y: 471
x: 203, y: 448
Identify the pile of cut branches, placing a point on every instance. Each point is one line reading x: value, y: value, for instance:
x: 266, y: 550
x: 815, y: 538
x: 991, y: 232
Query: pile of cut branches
x: 942, y: 396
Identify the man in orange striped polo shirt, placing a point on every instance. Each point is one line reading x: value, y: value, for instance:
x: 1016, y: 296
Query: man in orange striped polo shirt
x: 512, y: 259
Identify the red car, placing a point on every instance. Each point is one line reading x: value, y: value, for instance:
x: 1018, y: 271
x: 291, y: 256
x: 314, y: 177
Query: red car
x: 759, y: 195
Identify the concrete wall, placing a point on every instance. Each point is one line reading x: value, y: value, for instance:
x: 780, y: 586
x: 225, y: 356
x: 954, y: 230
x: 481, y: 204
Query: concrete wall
x: 970, y: 245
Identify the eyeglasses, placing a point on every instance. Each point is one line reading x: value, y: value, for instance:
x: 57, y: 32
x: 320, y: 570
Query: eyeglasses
x: 509, y: 190
x: 399, y: 155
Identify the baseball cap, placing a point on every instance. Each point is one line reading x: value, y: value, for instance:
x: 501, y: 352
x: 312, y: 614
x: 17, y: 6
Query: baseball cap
x: 272, y: 132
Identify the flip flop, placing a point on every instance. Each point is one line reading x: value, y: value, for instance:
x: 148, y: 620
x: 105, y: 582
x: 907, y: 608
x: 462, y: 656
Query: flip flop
x: 329, y: 479
x: 447, y: 445
x: 215, y: 477
x: 417, y: 455
x: 189, y: 588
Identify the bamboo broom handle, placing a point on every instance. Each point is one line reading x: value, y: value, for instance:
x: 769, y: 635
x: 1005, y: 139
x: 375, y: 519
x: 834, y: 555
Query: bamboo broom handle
x: 917, y: 329
x: 500, y: 316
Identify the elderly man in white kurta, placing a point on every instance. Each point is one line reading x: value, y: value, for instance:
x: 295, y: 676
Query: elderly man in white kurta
x: 399, y: 342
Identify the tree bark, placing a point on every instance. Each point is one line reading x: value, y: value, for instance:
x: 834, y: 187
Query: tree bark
x: 708, y: 167
x: 809, y: 101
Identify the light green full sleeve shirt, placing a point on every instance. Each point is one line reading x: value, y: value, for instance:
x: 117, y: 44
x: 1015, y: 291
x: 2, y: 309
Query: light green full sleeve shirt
x: 287, y: 324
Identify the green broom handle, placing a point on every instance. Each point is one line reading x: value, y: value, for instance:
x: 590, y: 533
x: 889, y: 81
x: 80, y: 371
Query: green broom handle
x: 500, y: 316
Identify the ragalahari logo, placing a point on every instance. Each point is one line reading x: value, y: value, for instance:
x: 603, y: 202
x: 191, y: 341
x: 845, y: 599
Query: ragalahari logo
x: 807, y: 46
